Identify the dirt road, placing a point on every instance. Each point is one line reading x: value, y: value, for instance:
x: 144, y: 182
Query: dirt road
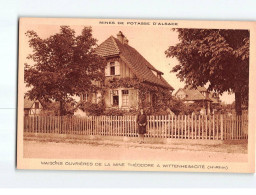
x: 109, y: 150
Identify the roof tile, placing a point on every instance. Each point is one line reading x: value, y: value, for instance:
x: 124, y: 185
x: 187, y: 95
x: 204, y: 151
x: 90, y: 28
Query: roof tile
x: 28, y: 103
x: 194, y: 94
x: 138, y: 64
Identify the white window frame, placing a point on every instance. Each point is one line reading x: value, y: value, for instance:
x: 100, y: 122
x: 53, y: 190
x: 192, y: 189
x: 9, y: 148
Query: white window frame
x: 84, y: 97
x: 112, y: 66
x: 116, y: 66
x: 126, y: 96
x: 115, y: 93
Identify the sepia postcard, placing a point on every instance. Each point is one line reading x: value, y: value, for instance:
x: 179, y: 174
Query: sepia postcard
x: 136, y: 95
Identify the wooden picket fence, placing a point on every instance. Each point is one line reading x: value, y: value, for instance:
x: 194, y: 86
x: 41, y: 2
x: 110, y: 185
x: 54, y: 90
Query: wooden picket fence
x: 209, y: 127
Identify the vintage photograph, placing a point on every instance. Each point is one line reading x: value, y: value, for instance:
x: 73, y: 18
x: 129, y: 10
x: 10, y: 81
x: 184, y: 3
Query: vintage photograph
x: 142, y: 91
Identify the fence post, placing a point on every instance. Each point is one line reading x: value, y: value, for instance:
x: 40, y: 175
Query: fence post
x: 221, y: 127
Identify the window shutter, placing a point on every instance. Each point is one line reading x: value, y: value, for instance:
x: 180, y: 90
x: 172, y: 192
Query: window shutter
x: 107, y: 98
x: 111, y: 97
x: 117, y: 67
x: 107, y: 70
x: 132, y: 98
x: 93, y: 98
x: 98, y: 96
x: 90, y: 97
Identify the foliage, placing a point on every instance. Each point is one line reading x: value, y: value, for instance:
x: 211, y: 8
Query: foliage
x: 53, y: 108
x: 193, y: 108
x: 177, y: 106
x: 114, y: 112
x: 123, y: 82
x: 224, y: 108
x: 214, y: 56
x: 50, y: 108
x: 93, y: 108
x: 63, y: 65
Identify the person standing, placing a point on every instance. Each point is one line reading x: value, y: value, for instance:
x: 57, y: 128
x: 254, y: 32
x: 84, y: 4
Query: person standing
x: 142, y: 123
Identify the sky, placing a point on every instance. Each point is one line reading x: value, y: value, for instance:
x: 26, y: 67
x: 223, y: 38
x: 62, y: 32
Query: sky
x: 150, y: 42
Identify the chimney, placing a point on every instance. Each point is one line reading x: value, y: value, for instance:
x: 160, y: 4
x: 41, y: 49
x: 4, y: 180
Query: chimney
x: 120, y: 37
x: 126, y: 41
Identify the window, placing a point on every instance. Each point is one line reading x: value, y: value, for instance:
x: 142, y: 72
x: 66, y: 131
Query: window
x: 84, y: 97
x: 215, y: 95
x: 115, y: 98
x: 94, y: 98
x: 36, y: 105
x: 125, y: 98
x: 125, y: 92
x: 180, y: 96
x: 112, y: 68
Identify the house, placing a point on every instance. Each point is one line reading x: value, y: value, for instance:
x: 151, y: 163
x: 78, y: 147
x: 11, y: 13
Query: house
x: 205, y: 99
x: 32, y: 107
x: 130, y: 80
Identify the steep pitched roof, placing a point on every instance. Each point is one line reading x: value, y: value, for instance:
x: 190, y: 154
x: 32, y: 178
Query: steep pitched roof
x: 108, y: 48
x: 193, y: 94
x: 137, y: 63
x: 199, y: 88
x: 28, y: 103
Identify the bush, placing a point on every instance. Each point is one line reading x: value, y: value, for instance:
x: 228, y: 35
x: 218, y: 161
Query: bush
x: 92, y: 108
x: 113, y: 112
x: 118, y: 112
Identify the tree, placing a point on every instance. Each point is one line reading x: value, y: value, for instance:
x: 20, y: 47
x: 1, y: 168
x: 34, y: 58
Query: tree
x: 177, y: 106
x: 64, y: 65
x: 214, y: 56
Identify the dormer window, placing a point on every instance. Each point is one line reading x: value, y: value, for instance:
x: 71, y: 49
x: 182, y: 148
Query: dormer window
x: 112, y: 68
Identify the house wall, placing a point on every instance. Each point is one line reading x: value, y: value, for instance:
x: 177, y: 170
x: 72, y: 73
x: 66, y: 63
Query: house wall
x: 125, y: 70
x: 180, y: 94
x: 205, y: 94
x: 35, y: 111
x: 91, y: 97
x: 122, y: 70
x: 132, y: 98
x: 189, y: 102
